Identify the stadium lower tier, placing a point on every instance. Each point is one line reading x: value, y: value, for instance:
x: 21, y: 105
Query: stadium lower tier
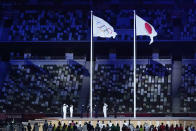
x: 42, y: 86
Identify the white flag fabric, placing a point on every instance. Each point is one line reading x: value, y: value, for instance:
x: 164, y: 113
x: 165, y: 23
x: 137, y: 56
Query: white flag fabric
x: 144, y: 28
x: 102, y: 29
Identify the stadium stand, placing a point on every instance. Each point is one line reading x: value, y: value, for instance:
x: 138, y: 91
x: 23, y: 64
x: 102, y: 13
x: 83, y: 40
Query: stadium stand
x: 62, y: 25
x: 189, y: 31
x: 40, y: 88
x: 34, y: 25
x: 113, y: 84
x: 187, y: 89
x: 44, y: 87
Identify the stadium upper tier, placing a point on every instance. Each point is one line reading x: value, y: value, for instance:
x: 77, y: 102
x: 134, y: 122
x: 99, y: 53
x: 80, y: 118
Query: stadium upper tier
x: 74, y: 25
x: 102, y: 2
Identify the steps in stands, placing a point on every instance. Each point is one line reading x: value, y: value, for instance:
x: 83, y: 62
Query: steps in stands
x: 176, y: 82
x: 4, y: 69
x: 84, y: 92
x: 1, y: 28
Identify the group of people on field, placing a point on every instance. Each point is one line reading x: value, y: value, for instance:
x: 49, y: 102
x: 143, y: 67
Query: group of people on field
x: 105, y: 108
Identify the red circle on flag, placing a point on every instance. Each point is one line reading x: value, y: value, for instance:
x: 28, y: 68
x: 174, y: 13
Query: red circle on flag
x: 148, y: 28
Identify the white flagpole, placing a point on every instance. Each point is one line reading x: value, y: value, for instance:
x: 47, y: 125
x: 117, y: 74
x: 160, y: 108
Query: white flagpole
x: 134, y: 66
x: 91, y: 67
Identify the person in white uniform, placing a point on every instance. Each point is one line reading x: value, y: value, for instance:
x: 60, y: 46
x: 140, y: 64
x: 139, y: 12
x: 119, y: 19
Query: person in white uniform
x: 64, y: 111
x: 105, y: 110
x: 71, y: 111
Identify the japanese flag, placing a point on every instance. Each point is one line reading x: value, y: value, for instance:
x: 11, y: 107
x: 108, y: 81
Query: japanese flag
x: 144, y: 28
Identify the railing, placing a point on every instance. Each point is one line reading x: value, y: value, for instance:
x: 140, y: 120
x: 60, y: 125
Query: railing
x: 84, y: 57
x: 30, y: 116
x: 47, y: 58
